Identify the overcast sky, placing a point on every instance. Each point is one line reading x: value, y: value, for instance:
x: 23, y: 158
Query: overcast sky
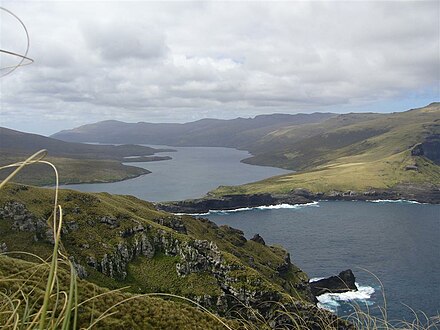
x: 182, y: 61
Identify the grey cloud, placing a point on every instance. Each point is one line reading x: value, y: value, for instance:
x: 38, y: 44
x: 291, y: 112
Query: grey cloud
x: 183, y: 61
x: 118, y: 41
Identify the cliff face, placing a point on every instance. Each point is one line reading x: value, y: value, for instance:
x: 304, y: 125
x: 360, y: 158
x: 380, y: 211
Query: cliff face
x: 430, y: 148
x: 117, y: 241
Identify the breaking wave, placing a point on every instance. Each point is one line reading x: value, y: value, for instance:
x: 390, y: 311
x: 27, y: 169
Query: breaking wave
x: 262, y: 208
x: 331, y: 301
x: 395, y: 201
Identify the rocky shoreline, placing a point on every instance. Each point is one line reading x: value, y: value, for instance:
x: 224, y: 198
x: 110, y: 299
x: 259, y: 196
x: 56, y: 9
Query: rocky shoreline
x: 420, y: 194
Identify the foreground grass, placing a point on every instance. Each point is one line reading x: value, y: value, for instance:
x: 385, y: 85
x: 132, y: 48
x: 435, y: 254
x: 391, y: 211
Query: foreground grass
x: 24, y: 285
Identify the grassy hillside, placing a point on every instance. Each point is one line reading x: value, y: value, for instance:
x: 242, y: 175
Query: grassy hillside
x: 119, y: 241
x: 130, y: 312
x: 78, y: 162
x: 352, y: 152
x: 236, y: 133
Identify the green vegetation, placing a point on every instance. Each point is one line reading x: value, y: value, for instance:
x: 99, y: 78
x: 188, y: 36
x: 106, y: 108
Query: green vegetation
x: 355, y: 152
x: 87, y: 235
x: 79, y: 163
x: 158, y: 274
x: 75, y: 171
x: 25, y: 282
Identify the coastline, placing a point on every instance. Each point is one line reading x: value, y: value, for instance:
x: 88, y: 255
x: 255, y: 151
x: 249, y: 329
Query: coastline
x: 297, y: 197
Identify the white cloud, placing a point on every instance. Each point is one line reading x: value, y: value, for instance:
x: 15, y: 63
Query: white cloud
x: 166, y: 61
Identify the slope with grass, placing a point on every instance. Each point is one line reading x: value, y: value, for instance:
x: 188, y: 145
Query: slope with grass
x: 98, y: 306
x: 234, y: 133
x: 78, y: 162
x: 119, y: 241
x: 354, y: 154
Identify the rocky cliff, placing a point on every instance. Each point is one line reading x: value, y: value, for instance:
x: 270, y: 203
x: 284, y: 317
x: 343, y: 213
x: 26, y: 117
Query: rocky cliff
x: 117, y: 241
x: 425, y: 193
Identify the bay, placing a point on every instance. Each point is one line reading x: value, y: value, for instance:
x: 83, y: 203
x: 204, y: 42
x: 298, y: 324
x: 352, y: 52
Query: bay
x: 398, y: 242
x: 191, y: 173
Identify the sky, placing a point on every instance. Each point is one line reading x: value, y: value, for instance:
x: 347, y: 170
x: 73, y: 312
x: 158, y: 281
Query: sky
x: 182, y: 61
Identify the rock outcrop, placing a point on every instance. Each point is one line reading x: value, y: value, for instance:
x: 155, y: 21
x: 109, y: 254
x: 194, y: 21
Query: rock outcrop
x: 344, y: 282
x: 257, y: 238
x: 106, y: 236
x: 23, y: 220
x: 430, y: 148
x: 421, y: 193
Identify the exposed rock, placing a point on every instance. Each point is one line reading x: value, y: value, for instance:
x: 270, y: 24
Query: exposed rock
x: 128, y: 232
x: 411, y: 168
x: 302, y: 192
x: 344, y: 282
x: 173, y: 223
x: 110, y: 221
x: 3, y: 248
x: 80, y: 270
x: 226, y: 202
x: 71, y: 225
x: 430, y: 148
x: 23, y: 220
x: 257, y: 238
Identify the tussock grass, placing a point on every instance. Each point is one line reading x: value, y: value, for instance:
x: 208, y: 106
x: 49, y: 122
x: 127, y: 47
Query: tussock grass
x: 28, y: 304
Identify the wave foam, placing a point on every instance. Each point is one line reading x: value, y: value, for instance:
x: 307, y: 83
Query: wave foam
x: 395, y: 201
x: 261, y: 208
x: 331, y: 301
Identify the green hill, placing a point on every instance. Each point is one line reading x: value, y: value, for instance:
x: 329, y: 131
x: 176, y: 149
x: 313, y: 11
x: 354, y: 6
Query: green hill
x: 120, y: 241
x: 356, y: 152
x: 78, y: 162
x: 127, y: 311
x: 234, y: 133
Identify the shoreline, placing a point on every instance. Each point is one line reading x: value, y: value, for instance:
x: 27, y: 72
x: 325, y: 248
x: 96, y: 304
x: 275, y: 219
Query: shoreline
x: 297, y: 198
x: 97, y: 182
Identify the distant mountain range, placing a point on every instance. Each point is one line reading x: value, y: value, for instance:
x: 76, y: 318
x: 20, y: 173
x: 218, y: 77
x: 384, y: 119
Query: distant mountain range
x: 236, y: 133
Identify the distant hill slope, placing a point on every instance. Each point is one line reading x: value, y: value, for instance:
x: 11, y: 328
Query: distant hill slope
x: 237, y: 133
x: 352, y: 152
x: 77, y: 162
x: 16, y: 142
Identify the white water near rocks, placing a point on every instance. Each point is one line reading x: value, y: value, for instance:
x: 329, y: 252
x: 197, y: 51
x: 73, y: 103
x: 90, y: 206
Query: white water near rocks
x: 398, y: 241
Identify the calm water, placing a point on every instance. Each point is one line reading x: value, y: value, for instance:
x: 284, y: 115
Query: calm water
x: 190, y: 174
x: 398, y: 242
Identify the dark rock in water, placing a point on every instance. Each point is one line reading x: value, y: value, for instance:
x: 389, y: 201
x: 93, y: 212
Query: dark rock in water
x: 257, y: 238
x: 344, y: 282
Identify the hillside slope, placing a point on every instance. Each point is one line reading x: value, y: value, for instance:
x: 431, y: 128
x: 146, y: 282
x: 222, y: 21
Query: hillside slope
x: 78, y: 162
x: 236, y: 133
x: 119, y: 241
x: 130, y: 311
x: 353, y: 153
